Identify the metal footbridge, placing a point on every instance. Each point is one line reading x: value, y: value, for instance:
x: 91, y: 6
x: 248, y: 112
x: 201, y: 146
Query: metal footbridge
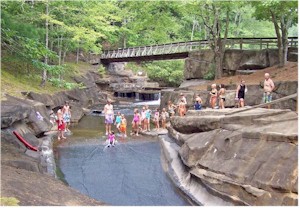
x: 181, y: 50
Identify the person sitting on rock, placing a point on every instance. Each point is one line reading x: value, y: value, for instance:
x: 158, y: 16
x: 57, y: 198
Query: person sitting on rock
x: 198, y: 103
x: 213, y: 96
x: 221, y: 94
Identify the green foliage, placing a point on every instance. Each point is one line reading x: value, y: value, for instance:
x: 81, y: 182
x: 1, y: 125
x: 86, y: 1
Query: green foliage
x: 167, y: 73
x: 101, y: 70
x: 63, y: 84
x: 9, y: 201
x: 209, y: 75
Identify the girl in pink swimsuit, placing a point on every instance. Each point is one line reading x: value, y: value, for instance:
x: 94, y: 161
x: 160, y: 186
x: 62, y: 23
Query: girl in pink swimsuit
x: 136, y: 121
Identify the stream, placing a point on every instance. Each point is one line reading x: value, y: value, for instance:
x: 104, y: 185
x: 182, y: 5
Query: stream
x: 129, y: 174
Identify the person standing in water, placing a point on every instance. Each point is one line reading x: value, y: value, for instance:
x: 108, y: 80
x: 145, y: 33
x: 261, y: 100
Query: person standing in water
x: 66, y: 115
x: 60, y: 125
x: 123, y: 126
x: 240, y: 93
x: 268, y: 89
x: 118, y: 121
x: 221, y: 94
x: 136, y: 122
x: 143, y: 119
x: 109, y: 116
x: 148, y: 117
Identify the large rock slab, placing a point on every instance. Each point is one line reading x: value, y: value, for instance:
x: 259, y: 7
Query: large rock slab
x: 198, y: 64
x: 248, y: 157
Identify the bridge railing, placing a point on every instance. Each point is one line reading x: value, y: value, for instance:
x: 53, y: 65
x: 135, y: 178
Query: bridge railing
x: 172, y: 48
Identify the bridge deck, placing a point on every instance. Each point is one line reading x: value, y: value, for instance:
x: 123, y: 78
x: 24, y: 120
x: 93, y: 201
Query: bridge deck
x: 180, y: 50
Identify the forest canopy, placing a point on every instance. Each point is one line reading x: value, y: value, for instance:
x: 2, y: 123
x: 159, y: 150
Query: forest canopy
x: 43, y: 33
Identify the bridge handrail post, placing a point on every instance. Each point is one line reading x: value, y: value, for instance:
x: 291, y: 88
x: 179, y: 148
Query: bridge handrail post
x: 241, y: 43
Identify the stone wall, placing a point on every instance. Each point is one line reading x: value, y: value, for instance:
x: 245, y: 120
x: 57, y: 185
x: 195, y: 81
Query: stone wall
x: 200, y: 62
x: 247, y: 158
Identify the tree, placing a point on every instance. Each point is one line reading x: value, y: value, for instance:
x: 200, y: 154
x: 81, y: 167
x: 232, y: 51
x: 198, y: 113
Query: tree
x: 283, y: 14
x: 215, y: 16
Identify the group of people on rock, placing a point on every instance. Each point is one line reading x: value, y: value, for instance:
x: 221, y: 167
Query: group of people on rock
x: 217, y: 97
x: 141, y: 118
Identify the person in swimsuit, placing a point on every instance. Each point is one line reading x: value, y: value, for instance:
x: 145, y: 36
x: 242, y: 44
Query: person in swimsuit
x: 268, y: 89
x: 111, y: 139
x: 136, y: 121
x: 181, y: 108
x: 182, y: 99
x: 164, y: 115
x: 109, y: 116
x: 156, y: 119
x: 240, y: 93
x: 66, y: 115
x: 213, y: 96
x: 143, y: 119
x: 148, y: 117
x: 60, y: 125
x: 171, y: 108
x: 123, y: 126
x: 118, y: 121
x: 221, y: 94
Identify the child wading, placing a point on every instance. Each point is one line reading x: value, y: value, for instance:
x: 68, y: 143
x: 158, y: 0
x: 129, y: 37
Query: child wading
x: 123, y: 126
x: 148, y: 117
x: 118, y: 121
x: 136, y: 122
x: 143, y: 119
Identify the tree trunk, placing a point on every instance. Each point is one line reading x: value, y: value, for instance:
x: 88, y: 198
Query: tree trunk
x: 279, y: 40
x: 44, y: 75
x: 59, y: 49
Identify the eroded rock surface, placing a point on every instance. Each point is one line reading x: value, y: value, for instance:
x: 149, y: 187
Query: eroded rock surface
x: 248, y: 157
